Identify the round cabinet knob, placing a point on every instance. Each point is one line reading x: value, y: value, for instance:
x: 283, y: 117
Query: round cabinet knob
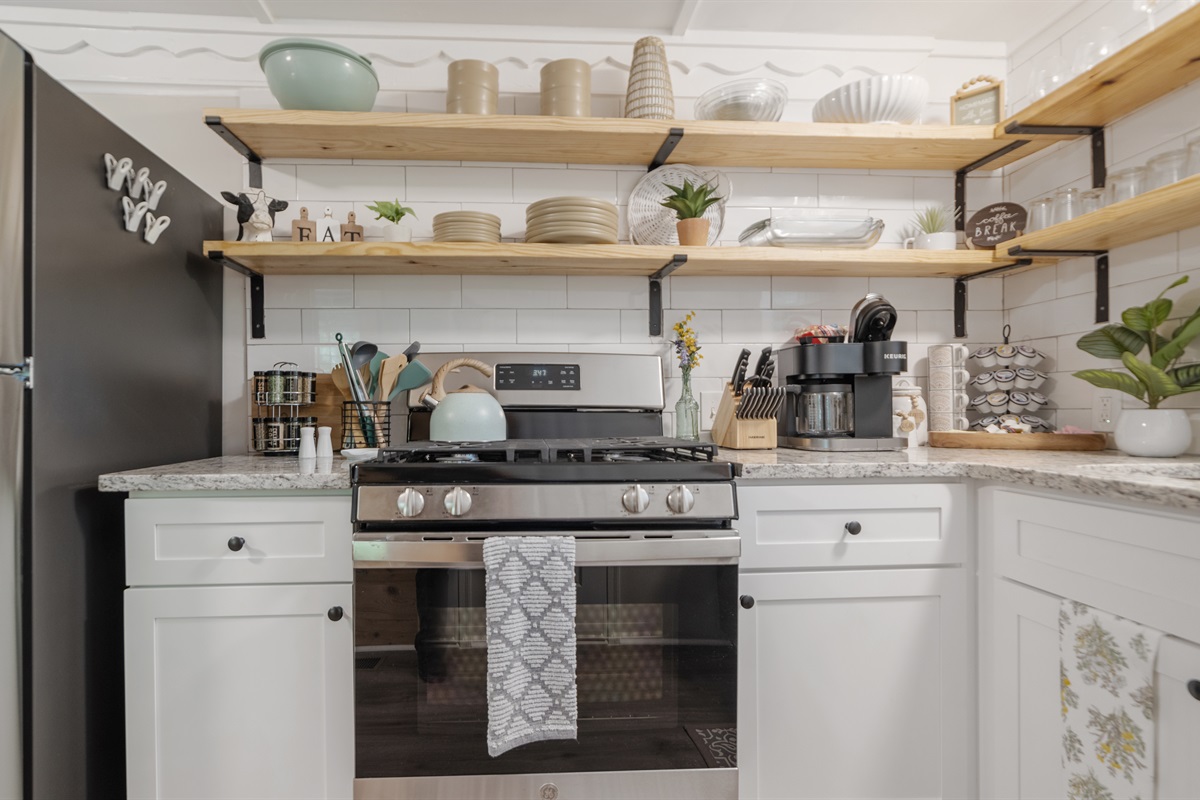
x: 747, y: 601
x: 236, y: 543
x: 681, y: 500
x: 457, y: 501
x: 853, y: 528
x: 410, y: 503
x: 335, y: 613
x: 1193, y: 687
x: 635, y: 499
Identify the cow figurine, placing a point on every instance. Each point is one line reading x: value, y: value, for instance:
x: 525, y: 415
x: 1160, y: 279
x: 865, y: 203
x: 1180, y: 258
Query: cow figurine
x: 255, y: 214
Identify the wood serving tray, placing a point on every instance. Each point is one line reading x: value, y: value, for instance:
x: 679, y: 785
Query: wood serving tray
x: 981, y: 440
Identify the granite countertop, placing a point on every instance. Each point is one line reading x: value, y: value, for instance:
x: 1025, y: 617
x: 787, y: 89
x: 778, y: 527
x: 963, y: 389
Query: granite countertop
x: 1173, y: 483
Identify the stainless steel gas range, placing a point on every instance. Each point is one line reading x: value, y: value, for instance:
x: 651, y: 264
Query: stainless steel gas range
x: 656, y: 593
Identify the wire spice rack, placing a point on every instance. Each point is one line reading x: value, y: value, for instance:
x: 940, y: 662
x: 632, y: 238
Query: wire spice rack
x: 278, y: 394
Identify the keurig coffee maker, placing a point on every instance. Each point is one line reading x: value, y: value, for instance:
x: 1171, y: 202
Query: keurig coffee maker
x: 840, y: 390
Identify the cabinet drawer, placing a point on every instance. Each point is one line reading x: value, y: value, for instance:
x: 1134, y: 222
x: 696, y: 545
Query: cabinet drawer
x: 1134, y: 563
x: 181, y: 542
x: 788, y: 527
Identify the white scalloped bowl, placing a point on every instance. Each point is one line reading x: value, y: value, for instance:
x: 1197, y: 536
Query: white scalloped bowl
x: 884, y: 98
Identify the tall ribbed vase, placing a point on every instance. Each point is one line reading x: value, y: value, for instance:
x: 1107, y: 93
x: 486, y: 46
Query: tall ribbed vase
x: 649, y: 94
x: 687, y: 412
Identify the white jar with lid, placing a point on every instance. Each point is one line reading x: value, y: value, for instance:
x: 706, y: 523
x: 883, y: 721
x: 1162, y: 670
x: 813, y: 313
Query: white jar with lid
x: 910, y: 415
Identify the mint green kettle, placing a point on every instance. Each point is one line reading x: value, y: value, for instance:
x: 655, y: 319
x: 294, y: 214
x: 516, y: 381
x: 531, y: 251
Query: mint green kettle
x: 467, y: 414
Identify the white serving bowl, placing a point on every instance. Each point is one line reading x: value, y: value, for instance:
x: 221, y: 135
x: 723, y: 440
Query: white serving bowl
x: 883, y: 98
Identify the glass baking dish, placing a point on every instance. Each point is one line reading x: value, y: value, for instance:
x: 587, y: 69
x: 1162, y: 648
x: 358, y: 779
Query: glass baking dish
x: 849, y: 232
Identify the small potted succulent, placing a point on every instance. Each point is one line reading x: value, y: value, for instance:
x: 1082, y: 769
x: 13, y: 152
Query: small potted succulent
x: 393, y: 212
x: 929, y: 229
x: 1150, y: 431
x: 689, y: 202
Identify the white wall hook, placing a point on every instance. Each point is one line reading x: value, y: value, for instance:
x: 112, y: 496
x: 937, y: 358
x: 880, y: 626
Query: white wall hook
x: 117, y: 171
x: 139, y: 182
x: 154, y: 193
x: 133, y: 213
x: 155, y: 226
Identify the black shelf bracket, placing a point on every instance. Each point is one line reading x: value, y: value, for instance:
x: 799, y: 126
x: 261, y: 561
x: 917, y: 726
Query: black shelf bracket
x: 1099, y: 169
x: 960, y: 292
x: 664, y: 152
x: 254, y: 159
x: 656, y: 307
x: 960, y: 181
x: 1100, y: 259
x: 258, y: 327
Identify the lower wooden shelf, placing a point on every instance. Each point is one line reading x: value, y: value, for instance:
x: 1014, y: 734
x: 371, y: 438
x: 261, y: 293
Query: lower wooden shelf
x: 422, y: 258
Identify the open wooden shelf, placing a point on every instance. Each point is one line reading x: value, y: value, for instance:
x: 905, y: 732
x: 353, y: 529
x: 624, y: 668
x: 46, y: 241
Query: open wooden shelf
x: 386, y: 258
x: 602, y: 140
x: 1161, y: 211
x: 1155, y: 65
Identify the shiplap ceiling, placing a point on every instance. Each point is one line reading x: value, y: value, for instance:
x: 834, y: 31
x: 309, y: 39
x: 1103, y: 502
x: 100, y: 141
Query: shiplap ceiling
x: 1010, y: 21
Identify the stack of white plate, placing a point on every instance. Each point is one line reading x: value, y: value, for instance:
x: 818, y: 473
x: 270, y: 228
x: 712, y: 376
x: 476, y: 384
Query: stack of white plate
x: 466, y: 226
x: 571, y: 220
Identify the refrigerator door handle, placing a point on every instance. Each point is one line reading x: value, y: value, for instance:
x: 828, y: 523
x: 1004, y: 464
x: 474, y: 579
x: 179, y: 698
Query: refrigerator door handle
x: 22, y: 372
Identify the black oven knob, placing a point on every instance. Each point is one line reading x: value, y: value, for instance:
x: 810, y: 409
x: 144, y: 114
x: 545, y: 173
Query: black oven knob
x: 410, y: 503
x: 635, y: 499
x: 681, y: 500
x: 457, y: 502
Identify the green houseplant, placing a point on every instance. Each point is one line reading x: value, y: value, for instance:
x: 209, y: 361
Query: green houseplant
x: 1151, y: 431
x: 689, y: 202
x: 392, y: 212
x: 929, y: 229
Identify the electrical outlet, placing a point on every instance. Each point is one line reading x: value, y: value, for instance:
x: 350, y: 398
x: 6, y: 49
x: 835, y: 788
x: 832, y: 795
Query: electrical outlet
x: 1106, y: 407
x: 708, y: 409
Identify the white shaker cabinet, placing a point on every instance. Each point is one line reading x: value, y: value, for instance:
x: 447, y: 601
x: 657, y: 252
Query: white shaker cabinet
x: 854, y: 683
x: 239, y: 685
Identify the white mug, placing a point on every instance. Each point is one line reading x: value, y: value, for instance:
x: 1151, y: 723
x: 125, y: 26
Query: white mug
x: 942, y: 378
x: 946, y: 240
x: 133, y: 213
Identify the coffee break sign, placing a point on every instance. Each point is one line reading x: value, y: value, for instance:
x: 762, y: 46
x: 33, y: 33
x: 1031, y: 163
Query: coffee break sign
x: 995, y: 224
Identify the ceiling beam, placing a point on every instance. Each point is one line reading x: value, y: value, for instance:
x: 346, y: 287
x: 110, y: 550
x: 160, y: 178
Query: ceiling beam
x: 687, y: 10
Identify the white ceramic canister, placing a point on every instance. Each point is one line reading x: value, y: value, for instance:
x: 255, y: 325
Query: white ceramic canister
x: 910, y: 415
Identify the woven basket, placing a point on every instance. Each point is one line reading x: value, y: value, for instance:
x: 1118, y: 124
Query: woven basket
x: 649, y: 94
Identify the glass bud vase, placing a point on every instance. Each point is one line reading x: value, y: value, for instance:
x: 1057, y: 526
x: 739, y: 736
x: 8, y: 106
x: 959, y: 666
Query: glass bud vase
x: 687, y: 412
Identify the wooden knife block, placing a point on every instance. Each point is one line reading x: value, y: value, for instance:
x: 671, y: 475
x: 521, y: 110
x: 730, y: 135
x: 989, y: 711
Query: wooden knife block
x: 741, y: 434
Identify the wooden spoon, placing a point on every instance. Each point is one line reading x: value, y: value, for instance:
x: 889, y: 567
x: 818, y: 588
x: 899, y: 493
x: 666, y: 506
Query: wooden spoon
x: 389, y: 372
x: 341, y: 380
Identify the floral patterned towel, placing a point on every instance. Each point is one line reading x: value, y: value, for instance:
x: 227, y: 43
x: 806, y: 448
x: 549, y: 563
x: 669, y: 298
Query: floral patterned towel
x: 1107, y: 672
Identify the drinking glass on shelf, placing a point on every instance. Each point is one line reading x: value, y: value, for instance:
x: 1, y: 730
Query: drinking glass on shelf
x: 1066, y: 206
x: 1048, y: 77
x: 1193, y: 157
x: 1126, y: 184
x: 1166, y: 168
x: 1090, y: 53
x: 1092, y: 200
x: 1039, y: 214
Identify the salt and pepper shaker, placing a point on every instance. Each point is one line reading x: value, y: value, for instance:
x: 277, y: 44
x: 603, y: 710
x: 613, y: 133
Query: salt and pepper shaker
x: 308, y: 445
x: 324, y: 442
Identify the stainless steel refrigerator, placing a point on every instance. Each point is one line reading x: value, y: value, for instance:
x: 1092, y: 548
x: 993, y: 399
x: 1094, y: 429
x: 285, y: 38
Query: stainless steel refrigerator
x: 111, y: 349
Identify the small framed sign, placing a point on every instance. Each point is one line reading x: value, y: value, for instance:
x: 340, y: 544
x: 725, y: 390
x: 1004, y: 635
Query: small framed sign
x: 983, y: 105
x: 994, y: 225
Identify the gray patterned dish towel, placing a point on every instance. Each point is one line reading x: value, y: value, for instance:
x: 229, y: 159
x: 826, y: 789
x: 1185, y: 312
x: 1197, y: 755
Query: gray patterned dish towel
x: 530, y: 639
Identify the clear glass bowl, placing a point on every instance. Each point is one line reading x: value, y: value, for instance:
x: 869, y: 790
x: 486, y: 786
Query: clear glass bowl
x: 851, y: 232
x: 756, y: 99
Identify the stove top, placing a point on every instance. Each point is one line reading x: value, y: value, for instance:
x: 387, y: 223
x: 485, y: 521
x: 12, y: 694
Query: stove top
x: 618, y: 449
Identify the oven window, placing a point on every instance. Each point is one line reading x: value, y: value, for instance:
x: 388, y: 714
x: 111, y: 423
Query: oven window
x: 656, y: 674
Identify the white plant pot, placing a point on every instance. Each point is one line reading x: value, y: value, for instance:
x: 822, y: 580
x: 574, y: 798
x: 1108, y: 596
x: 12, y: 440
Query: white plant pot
x: 1153, y: 432
x: 396, y: 233
x: 946, y: 240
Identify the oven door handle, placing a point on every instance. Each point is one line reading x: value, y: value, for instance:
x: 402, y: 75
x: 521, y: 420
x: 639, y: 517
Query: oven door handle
x: 376, y: 551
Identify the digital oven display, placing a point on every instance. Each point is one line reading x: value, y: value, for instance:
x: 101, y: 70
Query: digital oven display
x: 554, y: 377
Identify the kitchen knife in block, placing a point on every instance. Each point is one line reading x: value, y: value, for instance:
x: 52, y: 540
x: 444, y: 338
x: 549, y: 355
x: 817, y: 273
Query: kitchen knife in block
x: 739, y: 371
x: 741, y: 434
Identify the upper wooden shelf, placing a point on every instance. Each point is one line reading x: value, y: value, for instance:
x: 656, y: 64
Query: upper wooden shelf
x: 603, y: 140
x: 1156, y: 64
x: 1160, y: 211
x: 386, y: 258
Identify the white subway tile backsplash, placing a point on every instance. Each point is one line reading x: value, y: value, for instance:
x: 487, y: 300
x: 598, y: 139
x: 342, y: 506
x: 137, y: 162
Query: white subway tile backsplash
x: 350, y: 183
x: 796, y: 292
x: 279, y: 181
x: 407, y: 291
x: 576, y: 325
x: 610, y: 291
x: 460, y: 184
x: 308, y: 291
x: 282, y: 324
x: 865, y: 191
x: 514, y: 291
x: 454, y: 325
x: 766, y: 327
x: 703, y: 291
x: 773, y: 189
x: 373, y: 325
x: 531, y: 185
x: 937, y: 327
x: 915, y: 294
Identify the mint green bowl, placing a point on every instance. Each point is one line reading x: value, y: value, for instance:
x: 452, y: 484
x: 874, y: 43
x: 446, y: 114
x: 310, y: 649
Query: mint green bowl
x: 311, y: 75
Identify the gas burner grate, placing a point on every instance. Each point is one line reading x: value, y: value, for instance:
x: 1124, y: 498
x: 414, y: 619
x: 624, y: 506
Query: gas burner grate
x: 616, y: 450
x: 630, y: 449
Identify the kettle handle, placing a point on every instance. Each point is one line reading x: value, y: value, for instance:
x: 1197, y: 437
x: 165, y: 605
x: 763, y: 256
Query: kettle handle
x: 438, y: 391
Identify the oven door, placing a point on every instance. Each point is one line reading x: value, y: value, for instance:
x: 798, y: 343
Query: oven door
x: 656, y: 631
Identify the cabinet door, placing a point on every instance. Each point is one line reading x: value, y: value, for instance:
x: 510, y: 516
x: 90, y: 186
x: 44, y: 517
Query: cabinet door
x: 1178, y: 720
x: 1022, y: 718
x: 854, y: 685
x: 239, y: 692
